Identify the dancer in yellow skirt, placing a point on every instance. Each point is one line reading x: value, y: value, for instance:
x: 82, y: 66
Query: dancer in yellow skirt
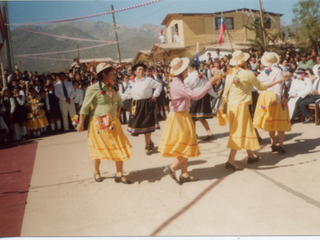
x: 179, y: 139
x: 36, y: 115
x: 106, y: 139
x: 237, y: 95
x: 272, y: 112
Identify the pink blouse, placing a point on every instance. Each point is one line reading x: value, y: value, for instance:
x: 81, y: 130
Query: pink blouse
x: 180, y: 95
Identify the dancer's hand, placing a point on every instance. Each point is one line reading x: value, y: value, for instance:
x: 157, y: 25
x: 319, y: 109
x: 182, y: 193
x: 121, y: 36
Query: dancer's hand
x: 80, y: 127
x: 214, y: 79
x: 153, y: 99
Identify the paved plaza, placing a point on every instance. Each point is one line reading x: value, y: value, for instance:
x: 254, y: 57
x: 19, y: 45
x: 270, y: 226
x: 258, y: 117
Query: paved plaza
x: 279, y: 195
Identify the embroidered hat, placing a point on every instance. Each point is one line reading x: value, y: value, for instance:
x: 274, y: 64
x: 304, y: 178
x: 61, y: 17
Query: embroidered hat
x: 102, y: 66
x: 178, y: 65
x: 239, y: 56
x: 270, y: 59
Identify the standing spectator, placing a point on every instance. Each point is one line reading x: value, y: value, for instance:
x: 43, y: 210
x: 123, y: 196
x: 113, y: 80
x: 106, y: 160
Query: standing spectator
x: 218, y: 55
x: 125, y: 111
x: 79, y: 96
x: 209, y: 57
x: 65, y: 92
x: 53, y: 109
x: 19, y: 113
x: 316, y: 66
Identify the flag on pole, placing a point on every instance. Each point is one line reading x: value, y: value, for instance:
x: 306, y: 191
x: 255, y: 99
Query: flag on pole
x: 222, y: 29
x: 3, y: 34
x: 197, y: 54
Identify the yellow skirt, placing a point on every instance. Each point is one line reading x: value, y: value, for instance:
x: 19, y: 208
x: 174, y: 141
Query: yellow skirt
x: 242, y: 133
x: 111, y: 145
x: 275, y: 118
x: 38, y: 121
x: 179, y: 138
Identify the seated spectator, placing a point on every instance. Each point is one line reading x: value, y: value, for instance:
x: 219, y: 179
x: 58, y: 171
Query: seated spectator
x: 287, y: 83
x: 311, y: 98
x: 285, y: 66
x: 301, y: 87
x: 305, y: 64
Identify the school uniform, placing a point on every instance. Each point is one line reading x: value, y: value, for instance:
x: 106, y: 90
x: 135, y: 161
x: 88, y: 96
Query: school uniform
x: 143, y: 114
x: 122, y: 89
x: 78, y: 99
x: 19, y: 113
x: 52, y: 104
x: 39, y: 120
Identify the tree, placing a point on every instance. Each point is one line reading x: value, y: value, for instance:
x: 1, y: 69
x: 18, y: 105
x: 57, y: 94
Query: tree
x: 274, y: 41
x: 307, y: 16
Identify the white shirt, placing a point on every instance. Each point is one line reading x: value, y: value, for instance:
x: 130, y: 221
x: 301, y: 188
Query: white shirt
x: 58, y: 90
x: 195, y: 83
x: 176, y: 38
x: 315, y: 70
x: 315, y: 84
x: 123, y: 87
x: 142, y: 89
x: 79, y: 96
x: 162, y: 40
x: 300, y: 88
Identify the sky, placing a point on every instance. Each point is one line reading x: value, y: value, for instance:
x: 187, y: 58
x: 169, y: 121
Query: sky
x: 38, y: 11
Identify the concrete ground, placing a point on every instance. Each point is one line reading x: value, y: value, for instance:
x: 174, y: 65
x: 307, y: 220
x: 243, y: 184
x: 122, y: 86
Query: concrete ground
x: 279, y: 195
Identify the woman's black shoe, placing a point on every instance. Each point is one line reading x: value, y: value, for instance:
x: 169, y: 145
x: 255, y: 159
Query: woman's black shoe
x: 232, y: 167
x: 187, y: 179
x: 167, y: 170
x: 120, y: 180
x: 281, y: 150
x: 209, y: 138
x: 274, y: 148
x: 253, y: 160
x: 97, y: 179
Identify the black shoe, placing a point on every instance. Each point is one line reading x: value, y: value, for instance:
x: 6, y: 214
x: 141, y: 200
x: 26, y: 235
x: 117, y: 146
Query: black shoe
x: 167, y: 170
x: 232, y: 167
x: 274, y: 148
x: 187, y: 179
x: 253, y: 160
x: 97, y: 179
x: 309, y: 120
x: 281, y: 150
x: 120, y: 180
x: 209, y: 138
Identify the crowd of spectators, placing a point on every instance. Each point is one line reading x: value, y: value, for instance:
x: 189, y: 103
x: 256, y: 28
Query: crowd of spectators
x: 30, y: 97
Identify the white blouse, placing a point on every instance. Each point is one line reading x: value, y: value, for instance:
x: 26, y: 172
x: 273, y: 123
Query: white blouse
x: 300, y: 88
x: 195, y: 83
x: 142, y: 89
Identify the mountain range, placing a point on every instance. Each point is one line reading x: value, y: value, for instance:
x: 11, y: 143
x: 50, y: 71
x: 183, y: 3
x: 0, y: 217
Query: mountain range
x: 131, y: 40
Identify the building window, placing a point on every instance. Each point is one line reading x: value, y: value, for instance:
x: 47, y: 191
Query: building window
x: 228, y: 21
x: 267, y: 22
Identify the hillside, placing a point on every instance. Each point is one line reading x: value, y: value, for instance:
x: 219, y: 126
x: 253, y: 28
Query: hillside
x: 131, y: 39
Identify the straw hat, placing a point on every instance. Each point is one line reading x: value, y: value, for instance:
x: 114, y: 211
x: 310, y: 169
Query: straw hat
x: 238, y: 56
x: 270, y: 59
x: 102, y: 66
x: 178, y: 65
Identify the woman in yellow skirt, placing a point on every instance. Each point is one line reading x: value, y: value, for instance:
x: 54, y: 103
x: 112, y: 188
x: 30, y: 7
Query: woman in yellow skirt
x: 272, y: 112
x: 179, y: 139
x: 36, y: 115
x: 106, y: 139
x: 237, y: 95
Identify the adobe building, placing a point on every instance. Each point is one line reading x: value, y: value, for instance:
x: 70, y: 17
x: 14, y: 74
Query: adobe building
x: 185, y: 30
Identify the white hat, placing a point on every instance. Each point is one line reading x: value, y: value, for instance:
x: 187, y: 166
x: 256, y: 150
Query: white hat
x: 238, y: 56
x: 102, y: 66
x: 178, y: 65
x: 270, y: 59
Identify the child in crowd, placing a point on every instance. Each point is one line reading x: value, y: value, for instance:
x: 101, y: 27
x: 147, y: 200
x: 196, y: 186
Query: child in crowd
x: 18, y: 110
x: 125, y: 110
x: 36, y: 116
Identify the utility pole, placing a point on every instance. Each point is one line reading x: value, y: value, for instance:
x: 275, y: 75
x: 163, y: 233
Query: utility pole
x: 10, y: 64
x: 116, y: 33
x: 78, y: 52
x: 262, y: 23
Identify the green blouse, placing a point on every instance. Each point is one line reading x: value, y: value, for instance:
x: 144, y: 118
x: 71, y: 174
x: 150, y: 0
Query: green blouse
x: 101, y: 103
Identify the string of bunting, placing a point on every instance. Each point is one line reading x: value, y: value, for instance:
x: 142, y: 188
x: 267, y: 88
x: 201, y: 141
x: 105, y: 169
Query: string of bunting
x: 58, y: 59
x: 88, y: 16
x: 65, y: 37
x: 72, y: 50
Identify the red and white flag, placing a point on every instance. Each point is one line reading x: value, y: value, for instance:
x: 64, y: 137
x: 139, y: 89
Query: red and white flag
x: 3, y: 34
x: 222, y: 29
